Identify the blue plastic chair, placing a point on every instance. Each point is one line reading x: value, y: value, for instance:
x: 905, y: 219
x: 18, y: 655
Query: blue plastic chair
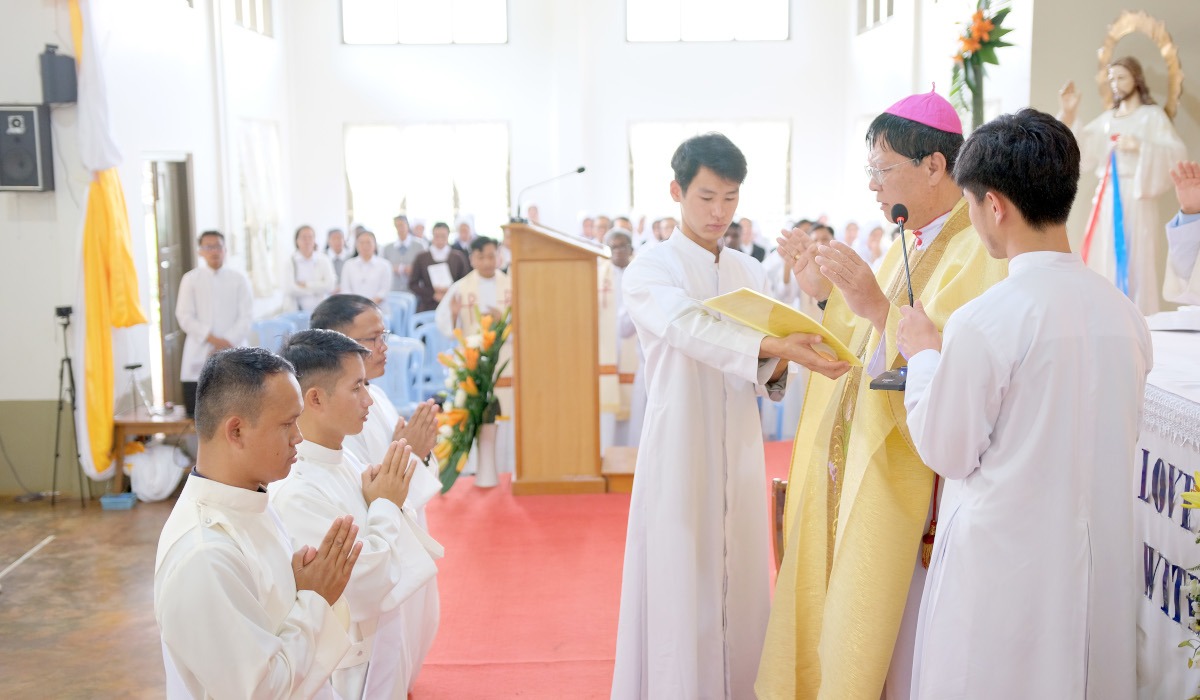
x: 402, y: 373
x: 298, y: 319
x: 433, y: 373
x: 271, y: 332
x: 401, y: 306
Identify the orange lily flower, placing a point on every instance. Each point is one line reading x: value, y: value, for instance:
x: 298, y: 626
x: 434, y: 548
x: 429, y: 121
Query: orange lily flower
x: 504, y: 335
x: 470, y: 358
x: 485, y: 321
x: 468, y: 385
x: 447, y: 359
x: 453, y: 417
x: 969, y: 45
x: 489, y: 337
x: 981, y: 30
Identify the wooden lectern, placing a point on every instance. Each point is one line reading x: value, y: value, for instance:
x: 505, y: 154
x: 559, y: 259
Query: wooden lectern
x: 556, y: 372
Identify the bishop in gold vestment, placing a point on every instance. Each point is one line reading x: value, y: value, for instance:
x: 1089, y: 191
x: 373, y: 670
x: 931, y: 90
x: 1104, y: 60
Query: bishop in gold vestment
x: 859, y: 498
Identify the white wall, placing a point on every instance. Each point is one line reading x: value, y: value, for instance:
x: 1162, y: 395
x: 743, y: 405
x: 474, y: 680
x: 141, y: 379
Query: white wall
x: 160, y: 84
x: 568, y: 85
x: 167, y: 65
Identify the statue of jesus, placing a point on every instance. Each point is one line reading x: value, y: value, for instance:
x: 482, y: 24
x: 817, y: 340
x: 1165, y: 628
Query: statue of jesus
x: 1131, y: 148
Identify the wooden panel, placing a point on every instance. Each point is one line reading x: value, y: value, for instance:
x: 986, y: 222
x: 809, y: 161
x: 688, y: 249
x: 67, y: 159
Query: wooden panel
x: 556, y: 379
x: 588, y: 484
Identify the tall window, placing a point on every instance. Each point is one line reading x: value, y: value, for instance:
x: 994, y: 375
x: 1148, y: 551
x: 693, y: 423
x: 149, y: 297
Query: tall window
x: 706, y: 20
x: 254, y: 15
x: 766, y: 145
x: 436, y: 172
x: 872, y: 13
x: 425, y: 21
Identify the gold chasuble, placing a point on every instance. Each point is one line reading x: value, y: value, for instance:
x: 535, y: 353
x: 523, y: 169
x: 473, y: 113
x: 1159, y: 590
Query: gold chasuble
x: 858, y: 495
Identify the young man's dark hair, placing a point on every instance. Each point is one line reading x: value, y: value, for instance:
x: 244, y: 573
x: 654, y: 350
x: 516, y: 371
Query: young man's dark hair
x: 400, y: 217
x: 232, y: 383
x: 339, y: 311
x: 713, y: 151
x: 441, y: 224
x: 822, y: 227
x: 481, y: 242
x: 218, y: 234
x: 1029, y: 157
x: 317, y: 355
x: 912, y: 139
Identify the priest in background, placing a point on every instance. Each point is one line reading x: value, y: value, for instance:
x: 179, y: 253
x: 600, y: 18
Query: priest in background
x: 240, y: 615
x: 694, y: 591
x: 1030, y: 409
x: 397, y: 558
x: 1182, y: 283
x: 859, y: 499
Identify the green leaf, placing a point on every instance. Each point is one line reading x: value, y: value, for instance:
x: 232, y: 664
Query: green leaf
x: 988, y: 55
x: 999, y: 16
x: 998, y: 44
x: 998, y: 32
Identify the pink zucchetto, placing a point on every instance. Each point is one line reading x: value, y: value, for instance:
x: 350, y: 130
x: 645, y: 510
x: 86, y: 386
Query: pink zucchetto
x: 930, y: 109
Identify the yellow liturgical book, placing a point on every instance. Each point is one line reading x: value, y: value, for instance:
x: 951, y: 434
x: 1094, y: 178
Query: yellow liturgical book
x: 764, y: 314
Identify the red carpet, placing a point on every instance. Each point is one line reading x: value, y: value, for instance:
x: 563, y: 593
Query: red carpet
x: 530, y: 589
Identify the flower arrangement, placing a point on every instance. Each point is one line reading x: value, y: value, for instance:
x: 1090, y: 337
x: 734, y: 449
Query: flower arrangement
x: 471, y: 392
x: 977, y: 46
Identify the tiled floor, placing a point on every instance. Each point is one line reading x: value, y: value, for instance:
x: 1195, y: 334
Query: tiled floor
x: 77, y: 618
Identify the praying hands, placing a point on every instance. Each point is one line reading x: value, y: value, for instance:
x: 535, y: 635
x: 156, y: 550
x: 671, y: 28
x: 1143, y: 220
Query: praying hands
x: 855, y: 280
x: 326, y: 570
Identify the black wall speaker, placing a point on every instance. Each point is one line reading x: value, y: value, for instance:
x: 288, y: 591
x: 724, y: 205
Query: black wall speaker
x: 26, y: 164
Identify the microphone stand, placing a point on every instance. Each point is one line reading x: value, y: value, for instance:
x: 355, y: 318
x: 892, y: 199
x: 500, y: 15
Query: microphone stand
x: 516, y: 217
x: 896, y: 379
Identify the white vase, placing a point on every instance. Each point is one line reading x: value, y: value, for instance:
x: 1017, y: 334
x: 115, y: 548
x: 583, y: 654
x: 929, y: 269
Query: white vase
x: 485, y: 465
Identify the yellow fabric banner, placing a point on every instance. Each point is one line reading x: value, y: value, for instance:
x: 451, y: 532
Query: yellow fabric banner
x: 110, y: 285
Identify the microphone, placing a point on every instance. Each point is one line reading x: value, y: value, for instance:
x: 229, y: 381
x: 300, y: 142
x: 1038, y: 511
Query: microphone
x: 897, y: 379
x: 516, y: 218
x: 900, y: 216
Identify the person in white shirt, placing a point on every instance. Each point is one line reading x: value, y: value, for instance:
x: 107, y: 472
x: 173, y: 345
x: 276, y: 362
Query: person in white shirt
x: 360, y: 319
x: 366, y: 273
x: 1030, y: 408
x: 308, y: 275
x: 1182, y: 282
x: 401, y: 252
x: 695, y: 587
x: 240, y: 614
x: 337, y: 250
x: 398, y: 556
x: 215, y: 309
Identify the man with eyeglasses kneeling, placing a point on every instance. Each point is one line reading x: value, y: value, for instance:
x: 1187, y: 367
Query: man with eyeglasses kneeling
x: 360, y: 318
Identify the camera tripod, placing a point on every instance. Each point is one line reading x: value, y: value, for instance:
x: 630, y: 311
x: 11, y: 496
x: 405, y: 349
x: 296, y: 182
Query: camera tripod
x: 66, y: 380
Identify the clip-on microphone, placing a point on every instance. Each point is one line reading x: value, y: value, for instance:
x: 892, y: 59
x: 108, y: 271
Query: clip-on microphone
x: 895, y: 379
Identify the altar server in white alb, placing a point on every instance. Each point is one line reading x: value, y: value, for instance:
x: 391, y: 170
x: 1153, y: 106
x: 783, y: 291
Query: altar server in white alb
x: 398, y: 556
x: 215, y: 309
x: 361, y: 320
x: 1030, y: 408
x: 694, y: 592
x: 1182, y: 282
x: 241, y: 615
